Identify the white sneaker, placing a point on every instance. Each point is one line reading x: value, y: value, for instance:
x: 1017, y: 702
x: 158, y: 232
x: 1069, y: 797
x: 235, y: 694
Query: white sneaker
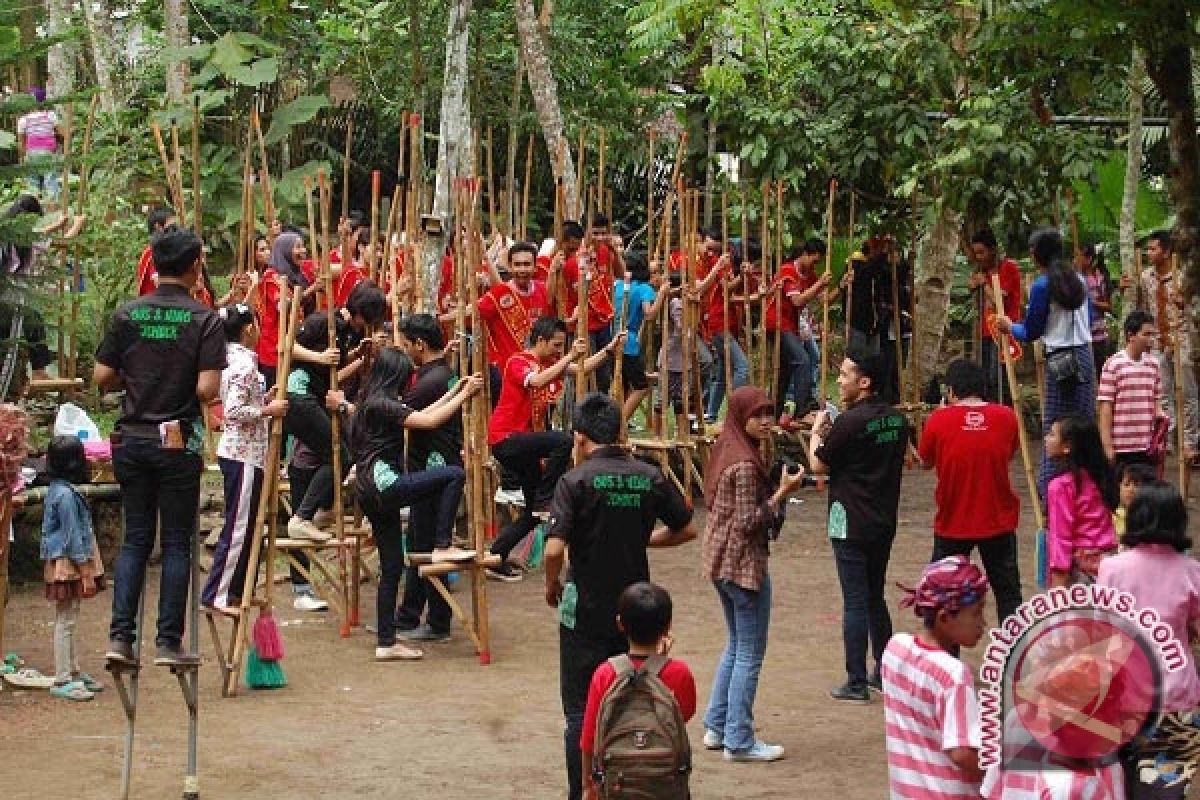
x: 759, y: 751
x: 309, y: 602
x: 298, y: 528
x: 510, y: 497
x: 713, y: 740
x: 398, y: 652
x: 441, y: 554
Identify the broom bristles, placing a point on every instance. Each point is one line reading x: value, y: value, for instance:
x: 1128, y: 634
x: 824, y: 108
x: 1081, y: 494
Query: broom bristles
x: 267, y: 640
x: 261, y: 674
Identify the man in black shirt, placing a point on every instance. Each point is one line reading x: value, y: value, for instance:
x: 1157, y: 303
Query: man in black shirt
x: 421, y: 337
x: 605, y: 511
x: 166, y: 351
x: 863, y: 455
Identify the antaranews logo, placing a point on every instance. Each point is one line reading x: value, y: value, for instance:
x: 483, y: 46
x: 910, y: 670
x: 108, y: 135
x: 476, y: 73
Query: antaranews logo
x: 1072, y: 676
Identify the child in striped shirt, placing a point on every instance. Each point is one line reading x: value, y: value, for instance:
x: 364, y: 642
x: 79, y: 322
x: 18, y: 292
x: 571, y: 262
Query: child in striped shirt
x: 930, y: 711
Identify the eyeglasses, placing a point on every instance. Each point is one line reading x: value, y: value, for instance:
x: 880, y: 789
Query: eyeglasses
x: 523, y: 264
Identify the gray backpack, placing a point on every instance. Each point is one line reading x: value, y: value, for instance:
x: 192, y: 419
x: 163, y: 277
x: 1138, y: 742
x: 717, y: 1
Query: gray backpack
x: 642, y: 750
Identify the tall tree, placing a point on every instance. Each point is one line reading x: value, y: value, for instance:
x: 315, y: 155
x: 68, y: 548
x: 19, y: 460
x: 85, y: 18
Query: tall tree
x: 544, y: 89
x: 454, y: 141
x: 175, y: 30
x: 104, y: 51
x: 60, y: 61
x: 1133, y: 165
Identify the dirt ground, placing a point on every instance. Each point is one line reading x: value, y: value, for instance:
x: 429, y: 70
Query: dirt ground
x: 447, y: 727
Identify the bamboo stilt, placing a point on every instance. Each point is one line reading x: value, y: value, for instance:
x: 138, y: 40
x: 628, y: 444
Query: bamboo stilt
x: 822, y: 392
x: 346, y: 168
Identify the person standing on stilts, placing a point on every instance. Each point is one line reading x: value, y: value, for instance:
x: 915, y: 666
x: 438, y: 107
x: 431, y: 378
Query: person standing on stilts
x: 987, y: 260
x: 166, y: 351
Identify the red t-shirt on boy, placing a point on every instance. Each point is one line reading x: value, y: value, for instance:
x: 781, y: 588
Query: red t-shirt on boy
x: 675, y: 674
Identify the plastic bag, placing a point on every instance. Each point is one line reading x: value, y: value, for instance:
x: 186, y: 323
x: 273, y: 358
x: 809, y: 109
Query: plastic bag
x: 72, y: 420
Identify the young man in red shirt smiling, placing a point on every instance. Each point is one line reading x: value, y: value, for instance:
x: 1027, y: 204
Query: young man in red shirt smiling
x: 971, y: 443
x: 518, y: 431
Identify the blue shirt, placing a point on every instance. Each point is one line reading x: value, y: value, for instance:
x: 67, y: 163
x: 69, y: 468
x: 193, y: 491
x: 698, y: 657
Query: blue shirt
x: 639, y: 293
x: 66, y: 524
x: 1057, y: 327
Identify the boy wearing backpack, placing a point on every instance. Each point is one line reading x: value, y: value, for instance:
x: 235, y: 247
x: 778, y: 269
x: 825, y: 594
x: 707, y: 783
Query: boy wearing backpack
x: 645, y: 692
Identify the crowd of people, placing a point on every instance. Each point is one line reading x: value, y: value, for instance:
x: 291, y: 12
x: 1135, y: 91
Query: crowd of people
x: 180, y: 347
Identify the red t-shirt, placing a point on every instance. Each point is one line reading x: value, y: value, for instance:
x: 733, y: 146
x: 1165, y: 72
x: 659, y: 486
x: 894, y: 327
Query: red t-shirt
x: 268, y: 312
x: 507, y: 328
x: 971, y: 446
x: 146, y: 273
x: 515, y: 410
x: 714, y: 302
x: 1010, y: 284
x: 447, y: 284
x: 787, y: 283
x: 675, y: 674
x: 351, y: 276
x: 601, y: 271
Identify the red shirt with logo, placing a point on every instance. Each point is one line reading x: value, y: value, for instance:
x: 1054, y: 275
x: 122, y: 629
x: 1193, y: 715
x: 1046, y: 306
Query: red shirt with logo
x: 714, y: 301
x: 787, y: 283
x: 600, y: 298
x: 508, y: 314
x: 268, y: 312
x: 521, y: 408
x: 971, y: 446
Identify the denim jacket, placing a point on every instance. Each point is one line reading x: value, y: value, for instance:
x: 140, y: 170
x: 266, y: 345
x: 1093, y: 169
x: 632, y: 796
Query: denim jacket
x: 66, y: 524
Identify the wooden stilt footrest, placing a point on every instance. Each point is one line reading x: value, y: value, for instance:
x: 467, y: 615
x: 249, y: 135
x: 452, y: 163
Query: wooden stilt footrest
x: 51, y: 385
x: 428, y: 570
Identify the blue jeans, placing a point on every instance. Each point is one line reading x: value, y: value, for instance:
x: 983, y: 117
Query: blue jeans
x: 160, y: 489
x: 739, y: 369
x: 442, y: 485
x: 795, y: 373
x: 862, y: 572
x: 731, y: 704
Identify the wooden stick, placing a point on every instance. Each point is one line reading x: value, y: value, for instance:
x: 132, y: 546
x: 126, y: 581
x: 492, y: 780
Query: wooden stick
x: 525, y: 190
x: 601, y: 194
x: 727, y: 333
x: 580, y: 170
x: 764, y: 361
x: 581, y: 307
x: 779, y: 391
x: 1014, y: 389
x: 892, y: 259
x: 373, y: 266
x: 268, y: 193
x: 650, y: 155
x: 914, y: 360
x: 821, y: 390
x: 346, y: 169
x: 6, y: 511
x: 850, y: 262
x: 388, y: 266
x: 665, y: 243
x: 744, y: 197
x: 683, y: 433
x: 491, y: 185
x: 84, y: 169
x: 177, y: 171
x: 1177, y: 343
x: 197, y: 205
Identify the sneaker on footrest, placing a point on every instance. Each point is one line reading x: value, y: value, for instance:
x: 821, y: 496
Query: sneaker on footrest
x: 173, y: 655
x: 309, y: 602
x: 306, y: 529
x: 120, y: 653
x: 452, y: 553
x: 510, y: 497
x: 505, y: 572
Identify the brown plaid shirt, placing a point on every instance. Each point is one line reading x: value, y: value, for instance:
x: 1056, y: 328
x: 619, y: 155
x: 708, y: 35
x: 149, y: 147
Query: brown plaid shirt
x: 735, y: 536
x: 1163, y: 297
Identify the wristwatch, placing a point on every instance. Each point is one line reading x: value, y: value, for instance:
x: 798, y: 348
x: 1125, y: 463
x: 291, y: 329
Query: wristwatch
x: 343, y: 407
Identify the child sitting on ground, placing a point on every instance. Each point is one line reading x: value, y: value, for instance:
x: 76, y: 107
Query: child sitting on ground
x: 1130, y: 478
x: 1079, y: 503
x: 72, y: 563
x: 644, y: 616
x: 924, y: 682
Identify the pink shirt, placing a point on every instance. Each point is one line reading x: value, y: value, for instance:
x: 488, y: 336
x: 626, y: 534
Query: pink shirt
x: 929, y: 708
x: 1167, y: 581
x: 1077, y: 519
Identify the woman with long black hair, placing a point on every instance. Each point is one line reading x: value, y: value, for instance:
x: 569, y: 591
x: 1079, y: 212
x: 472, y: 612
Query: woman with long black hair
x: 384, y: 485
x: 1059, y: 314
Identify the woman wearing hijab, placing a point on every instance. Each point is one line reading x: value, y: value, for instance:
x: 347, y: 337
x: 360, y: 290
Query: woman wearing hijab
x: 287, y: 266
x: 743, y: 509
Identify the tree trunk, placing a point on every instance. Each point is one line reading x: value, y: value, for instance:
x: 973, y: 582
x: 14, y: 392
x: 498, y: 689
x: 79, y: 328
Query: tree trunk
x: 934, y: 276
x: 175, y: 28
x: 454, y: 135
x: 1133, y: 171
x: 510, y: 194
x: 103, y: 42
x: 27, y: 22
x: 544, y: 89
x: 60, y: 61
x: 710, y: 169
x: 1170, y: 67
x: 418, y: 64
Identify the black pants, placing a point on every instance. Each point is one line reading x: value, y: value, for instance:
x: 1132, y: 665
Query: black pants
x: 1134, y: 457
x: 522, y: 454
x: 993, y: 372
x: 999, y: 555
x: 598, y: 340
x: 418, y: 591
x: 160, y: 492
x: 891, y: 382
x: 309, y: 422
x: 578, y: 657
x: 862, y: 573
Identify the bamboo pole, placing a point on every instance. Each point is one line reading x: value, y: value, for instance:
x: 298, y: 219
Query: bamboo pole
x: 373, y: 267
x: 779, y: 392
x: 339, y: 516
x: 84, y: 169
x: 688, y: 253
x: 584, y: 260
x: 1177, y: 342
x: 493, y: 220
x: 601, y: 194
x: 268, y: 192
x: 748, y: 348
x: 346, y: 169
x: 914, y: 348
x: 525, y: 190
x: 665, y: 241
x: 651, y: 142
x: 1014, y: 389
x: 821, y: 390
x: 727, y: 333
x: 197, y: 204
x: 850, y: 262
x: 764, y: 238
x: 76, y: 261
x: 900, y: 387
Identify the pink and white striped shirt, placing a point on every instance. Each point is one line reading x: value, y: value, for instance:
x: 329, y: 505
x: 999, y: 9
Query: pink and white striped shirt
x: 929, y: 709
x: 1134, y: 388
x: 1056, y: 783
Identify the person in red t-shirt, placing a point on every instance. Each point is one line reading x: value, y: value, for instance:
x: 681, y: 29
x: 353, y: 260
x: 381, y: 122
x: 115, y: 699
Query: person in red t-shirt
x: 518, y: 429
x: 157, y: 221
x: 289, y: 265
x: 603, y: 265
x: 644, y: 616
x: 719, y: 279
x: 797, y: 284
x: 971, y: 443
x: 509, y: 309
x: 985, y: 253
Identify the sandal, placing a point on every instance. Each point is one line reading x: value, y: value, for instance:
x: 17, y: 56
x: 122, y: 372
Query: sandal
x: 28, y: 678
x: 75, y: 690
x: 89, y: 683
